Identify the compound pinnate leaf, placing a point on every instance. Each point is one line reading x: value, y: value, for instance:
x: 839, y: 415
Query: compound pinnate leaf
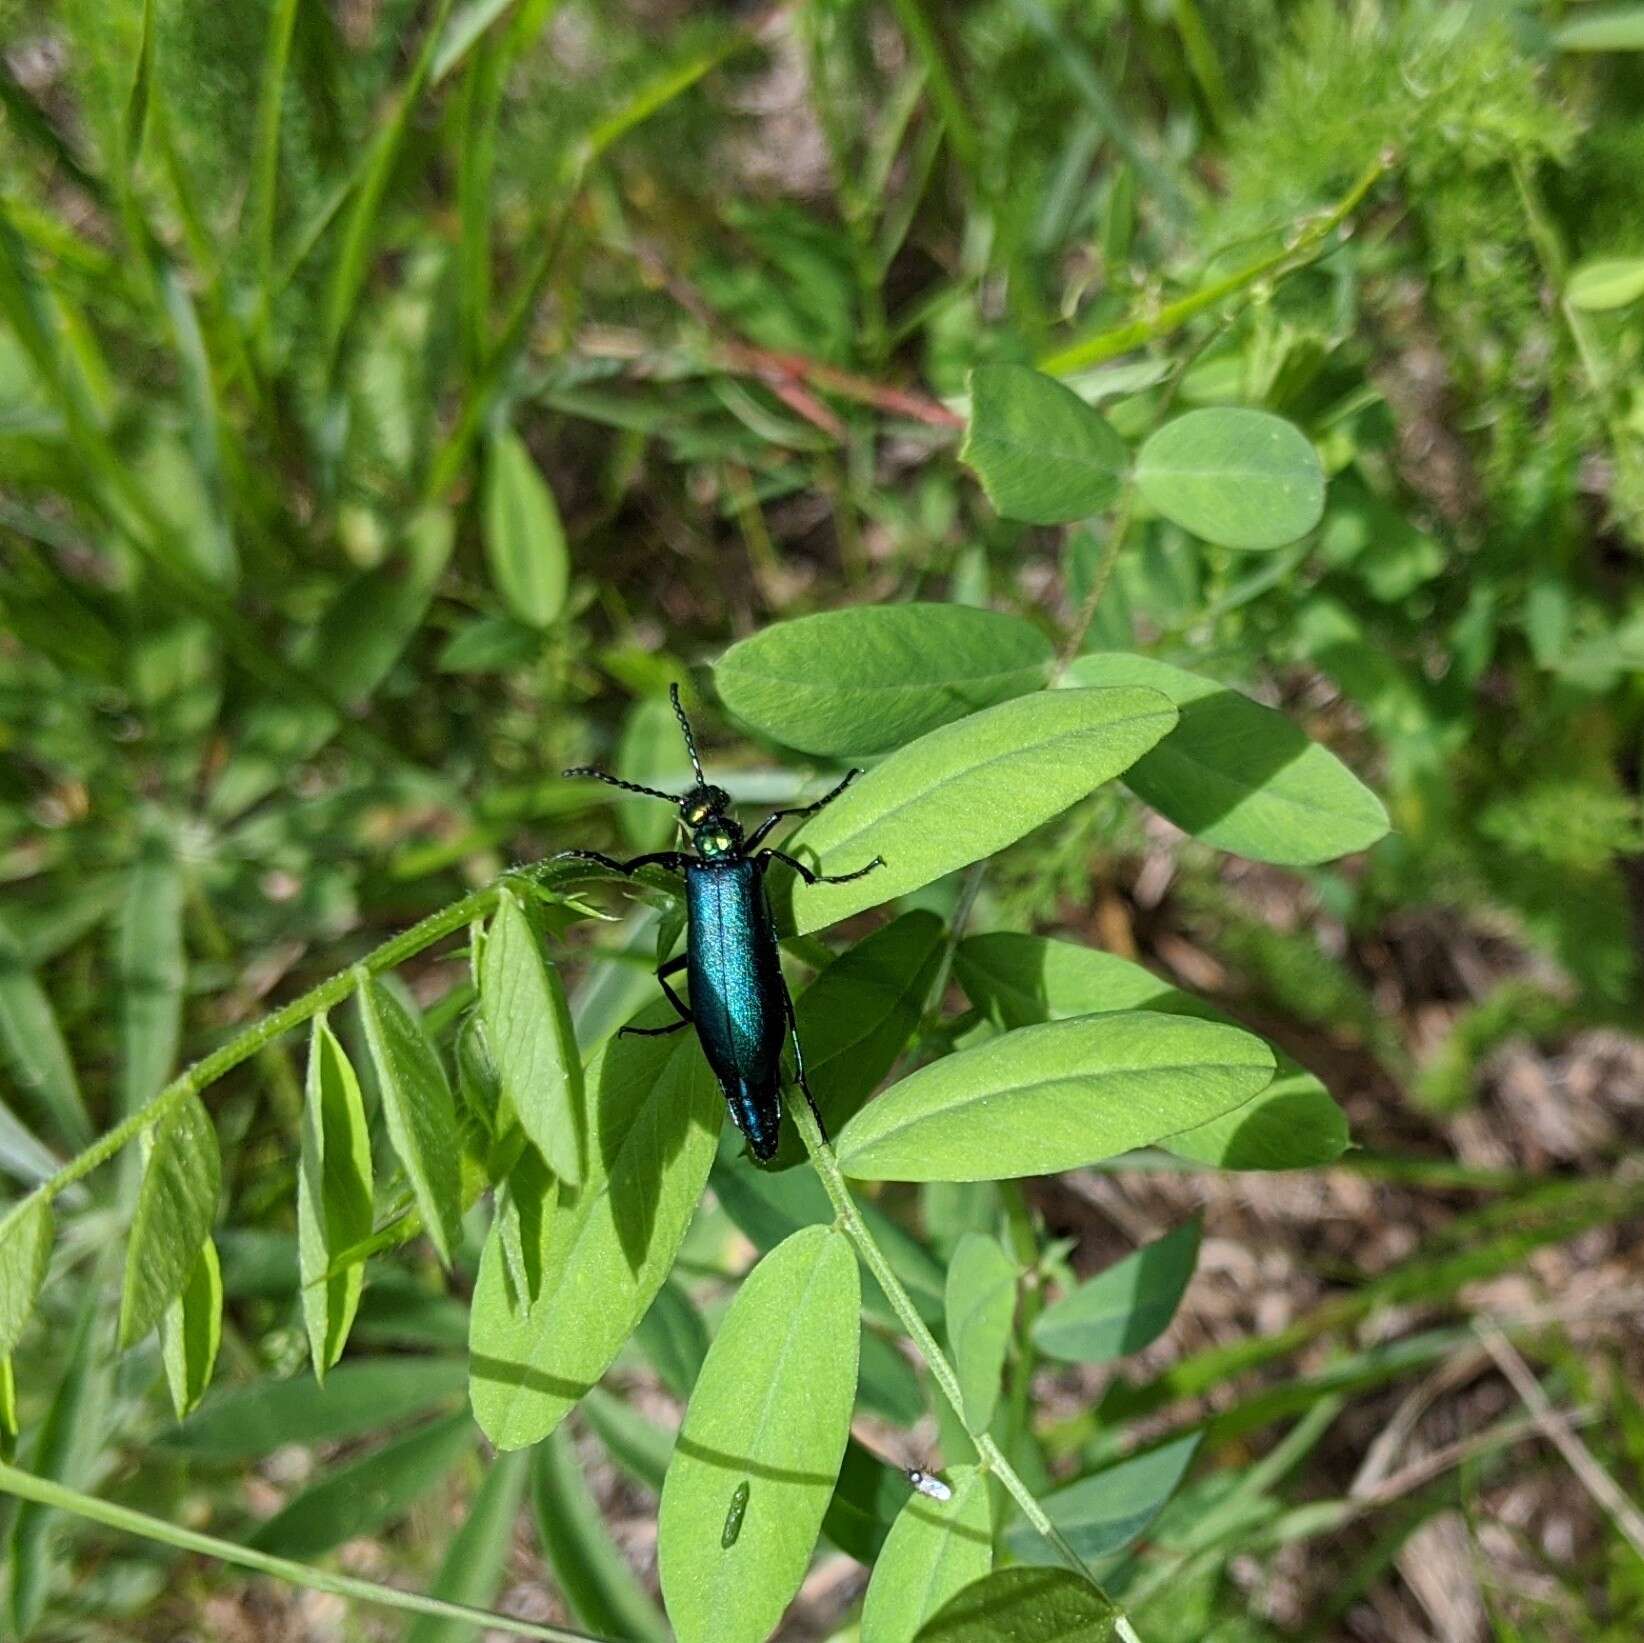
x: 1243, y: 479
x: 1239, y: 775
x: 524, y: 539
x: 1025, y: 1606
x: 981, y: 1301
x: 1123, y: 1308
x: 333, y: 1195
x: 25, y: 1247
x: 1042, y: 454
x: 862, y: 681
x: 960, y: 793
x: 528, y: 1028
x: 758, y: 1455
x: 1054, y: 1097
x: 935, y: 1548
x: 421, y: 1113
x: 175, y: 1207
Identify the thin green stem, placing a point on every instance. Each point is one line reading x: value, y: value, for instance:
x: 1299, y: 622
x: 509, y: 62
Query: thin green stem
x: 942, y: 1371
x: 44, y: 1492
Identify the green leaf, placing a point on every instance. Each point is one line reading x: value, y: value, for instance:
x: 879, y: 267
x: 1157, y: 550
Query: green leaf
x: 150, y: 961
x: 767, y: 1421
x: 637, y: 1445
x: 934, y: 1549
x: 1103, y: 1513
x: 363, y: 1496
x: 981, y: 1302
x: 961, y: 793
x: 360, y: 1396
x: 422, y: 1116
x: 674, y: 1337
x: 34, y: 1050
x: 1243, y: 479
x: 1124, y: 1308
x: 175, y: 1208
x: 528, y: 1028
x: 192, y: 1330
x: 888, y: 1385
x: 1608, y: 282
x: 654, y: 1115
x: 867, y: 679
x: 333, y: 1195
x: 1042, y: 454
x: 597, y: 1583
x: 524, y: 539
x: 1054, y: 1097
x: 25, y: 1248
x: 865, y: 1504
x: 526, y: 1223
x: 10, y: 1426
x: 857, y: 1016
x: 1020, y: 979
x: 1239, y: 775
x: 476, y: 1560
x: 1619, y: 29
x: 1025, y: 1606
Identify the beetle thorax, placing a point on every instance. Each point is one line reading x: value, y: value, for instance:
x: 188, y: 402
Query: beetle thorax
x: 718, y: 838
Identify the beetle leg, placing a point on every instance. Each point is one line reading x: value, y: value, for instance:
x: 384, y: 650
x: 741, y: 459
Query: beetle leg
x: 670, y: 859
x: 671, y: 968
x: 819, y: 878
x: 799, y: 1062
x: 758, y: 834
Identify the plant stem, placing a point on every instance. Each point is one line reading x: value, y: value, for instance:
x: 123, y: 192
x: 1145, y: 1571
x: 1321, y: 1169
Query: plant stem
x: 46, y: 1493
x: 942, y: 1372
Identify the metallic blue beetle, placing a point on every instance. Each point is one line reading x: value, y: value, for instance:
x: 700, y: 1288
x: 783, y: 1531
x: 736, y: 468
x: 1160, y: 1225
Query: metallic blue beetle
x: 740, y: 1004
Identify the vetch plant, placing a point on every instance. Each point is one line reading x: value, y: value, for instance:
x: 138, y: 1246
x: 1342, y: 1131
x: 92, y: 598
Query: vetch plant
x: 595, y: 1150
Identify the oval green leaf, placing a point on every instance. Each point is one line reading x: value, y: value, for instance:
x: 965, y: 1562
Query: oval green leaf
x: 1025, y: 1606
x: 421, y: 1113
x: 935, y: 1548
x: 333, y: 1195
x: 1243, y: 479
x: 1610, y: 282
x: 524, y: 539
x: 1054, y: 1097
x: 653, y: 1121
x: 960, y: 793
x: 1043, y: 455
x: 981, y: 1302
x: 769, y: 1416
x: 25, y: 1248
x: 848, y: 683
x: 1239, y: 775
x: 192, y: 1330
x: 1619, y: 28
x: 175, y: 1207
x: 528, y: 1028
x: 1123, y: 1308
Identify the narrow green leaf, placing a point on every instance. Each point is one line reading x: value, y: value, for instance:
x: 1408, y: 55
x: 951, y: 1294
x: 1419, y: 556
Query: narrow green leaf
x: 1243, y: 479
x: 360, y: 1396
x: 137, y: 98
x: 867, y: 679
x: 888, y: 1384
x: 528, y: 1028
x: 857, y: 1016
x: 1042, y: 454
x: 674, y: 1337
x: 1016, y: 1605
x: 1608, y: 282
x: 1239, y: 775
x: 10, y: 1427
x: 935, y: 1549
x: 1621, y: 28
x: 637, y: 1445
x: 1123, y: 1308
x: 34, y: 1050
x: 962, y: 792
x: 981, y: 1302
x: 176, y: 1205
x: 150, y: 962
x: 769, y: 1418
x: 192, y: 1330
x: 474, y: 1563
x: 422, y: 1116
x: 1054, y: 1097
x: 363, y: 1496
x: 1020, y: 979
x: 1102, y: 1514
x: 524, y: 539
x: 25, y: 1248
x: 333, y: 1195
x: 865, y: 1504
x: 597, y: 1583
x: 654, y: 1115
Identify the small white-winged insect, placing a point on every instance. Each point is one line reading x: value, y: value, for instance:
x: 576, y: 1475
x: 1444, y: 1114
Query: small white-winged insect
x: 928, y: 1485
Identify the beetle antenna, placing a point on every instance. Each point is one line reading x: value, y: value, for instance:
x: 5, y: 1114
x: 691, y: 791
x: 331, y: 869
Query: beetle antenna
x: 616, y: 781
x: 690, y: 740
